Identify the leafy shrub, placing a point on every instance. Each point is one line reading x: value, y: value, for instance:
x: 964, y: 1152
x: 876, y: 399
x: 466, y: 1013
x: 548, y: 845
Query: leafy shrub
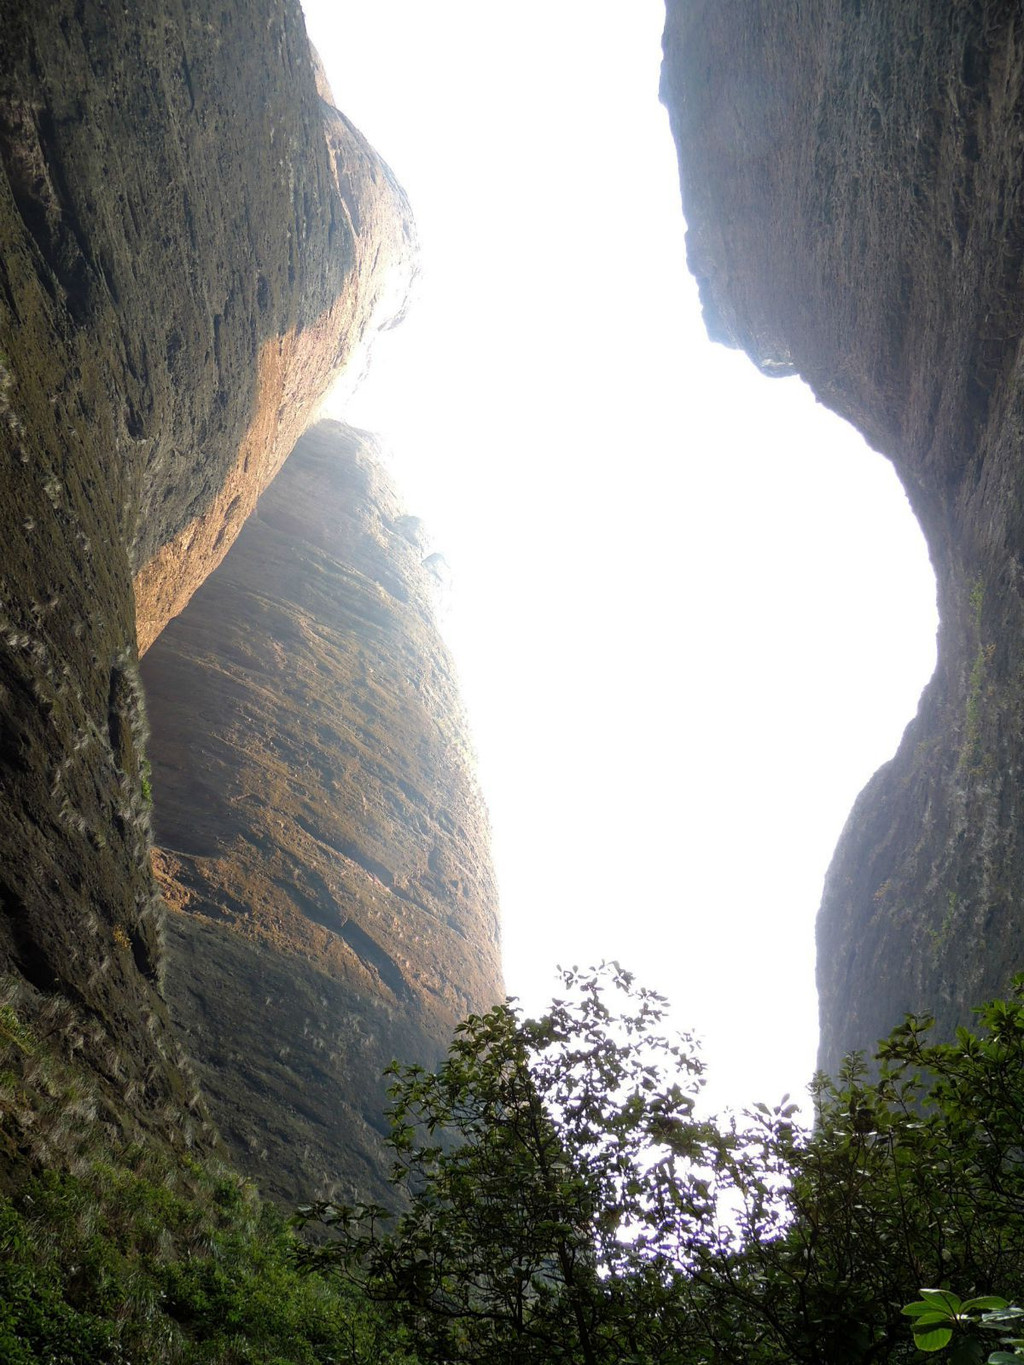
x: 117, y: 1255
x: 566, y: 1201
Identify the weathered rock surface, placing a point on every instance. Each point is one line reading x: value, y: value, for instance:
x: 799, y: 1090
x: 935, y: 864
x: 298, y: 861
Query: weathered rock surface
x: 852, y: 182
x: 322, y: 842
x: 189, y: 248
x: 367, y: 232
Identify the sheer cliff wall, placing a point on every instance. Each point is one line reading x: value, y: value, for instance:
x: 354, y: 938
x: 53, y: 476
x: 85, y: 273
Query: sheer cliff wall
x: 192, y: 245
x: 322, y: 842
x: 851, y: 177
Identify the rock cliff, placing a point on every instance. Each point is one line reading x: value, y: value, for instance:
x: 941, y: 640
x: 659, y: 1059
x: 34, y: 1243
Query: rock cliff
x: 852, y: 185
x: 322, y: 843
x: 192, y: 243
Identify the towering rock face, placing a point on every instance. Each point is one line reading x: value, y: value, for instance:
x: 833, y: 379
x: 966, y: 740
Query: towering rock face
x: 852, y: 184
x: 191, y: 243
x: 322, y: 843
x: 353, y: 233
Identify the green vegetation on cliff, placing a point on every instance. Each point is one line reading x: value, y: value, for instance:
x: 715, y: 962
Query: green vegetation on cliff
x: 112, y: 1265
x: 114, y: 1250
x: 563, y: 1200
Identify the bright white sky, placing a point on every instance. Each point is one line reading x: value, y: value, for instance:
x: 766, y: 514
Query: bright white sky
x: 692, y: 612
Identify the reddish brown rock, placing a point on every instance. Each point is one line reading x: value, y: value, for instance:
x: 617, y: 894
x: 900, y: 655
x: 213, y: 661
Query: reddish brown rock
x: 295, y: 369
x: 187, y: 248
x: 852, y: 183
x: 322, y: 840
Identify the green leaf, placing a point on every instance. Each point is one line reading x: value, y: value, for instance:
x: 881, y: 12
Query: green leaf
x: 1009, y: 1314
x: 986, y: 1301
x: 922, y: 1306
x: 942, y: 1298
x: 933, y: 1339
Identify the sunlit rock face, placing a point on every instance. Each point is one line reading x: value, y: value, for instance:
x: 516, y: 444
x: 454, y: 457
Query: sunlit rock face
x: 851, y: 177
x: 347, y: 245
x: 322, y: 842
x: 191, y: 244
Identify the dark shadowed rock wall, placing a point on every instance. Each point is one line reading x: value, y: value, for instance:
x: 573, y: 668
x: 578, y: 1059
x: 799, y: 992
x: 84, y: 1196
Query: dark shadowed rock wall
x: 191, y: 243
x: 322, y: 842
x: 851, y: 175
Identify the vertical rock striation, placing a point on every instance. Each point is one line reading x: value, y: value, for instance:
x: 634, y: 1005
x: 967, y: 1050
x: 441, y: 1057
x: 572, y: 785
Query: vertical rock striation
x: 191, y: 243
x: 852, y: 184
x: 322, y: 842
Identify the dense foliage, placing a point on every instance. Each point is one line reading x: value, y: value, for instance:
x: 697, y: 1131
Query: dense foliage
x: 110, y: 1266
x: 566, y: 1202
x: 534, y: 1215
x: 564, y: 1199
x: 115, y: 1253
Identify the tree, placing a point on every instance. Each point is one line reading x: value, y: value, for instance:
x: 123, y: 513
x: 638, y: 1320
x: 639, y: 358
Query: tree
x: 913, y: 1178
x: 535, y: 1211
x: 564, y: 1200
